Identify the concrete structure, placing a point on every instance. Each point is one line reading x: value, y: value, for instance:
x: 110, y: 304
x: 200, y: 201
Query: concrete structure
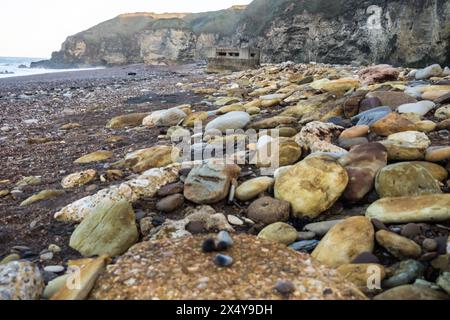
x: 233, y: 59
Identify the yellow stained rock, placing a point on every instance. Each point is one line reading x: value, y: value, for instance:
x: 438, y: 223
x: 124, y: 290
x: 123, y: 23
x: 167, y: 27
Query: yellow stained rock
x: 96, y: 156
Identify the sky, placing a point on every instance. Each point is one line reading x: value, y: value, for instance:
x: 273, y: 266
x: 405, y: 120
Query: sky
x: 36, y: 28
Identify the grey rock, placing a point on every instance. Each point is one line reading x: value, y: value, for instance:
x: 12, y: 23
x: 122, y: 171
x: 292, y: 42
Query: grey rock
x: 405, y: 273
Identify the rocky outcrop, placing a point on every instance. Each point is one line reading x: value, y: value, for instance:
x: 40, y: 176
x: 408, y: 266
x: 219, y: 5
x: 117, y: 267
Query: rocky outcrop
x: 405, y: 32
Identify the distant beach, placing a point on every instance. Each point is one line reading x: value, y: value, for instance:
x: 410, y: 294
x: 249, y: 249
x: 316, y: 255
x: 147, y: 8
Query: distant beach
x: 20, y: 67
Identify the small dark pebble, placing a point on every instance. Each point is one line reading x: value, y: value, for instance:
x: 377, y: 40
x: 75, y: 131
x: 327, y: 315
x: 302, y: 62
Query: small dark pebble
x: 224, y: 240
x: 157, y: 221
x: 327, y: 291
x: 428, y: 256
x: 222, y: 260
x: 185, y: 171
x: 209, y: 245
x: 378, y: 225
x: 441, y: 245
x: 284, y: 287
x: 410, y: 230
x: 170, y: 189
x: 304, y: 245
x: 366, y: 257
x: 195, y: 227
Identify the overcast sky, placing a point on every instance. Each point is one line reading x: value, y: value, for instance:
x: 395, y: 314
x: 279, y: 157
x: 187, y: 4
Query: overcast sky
x: 36, y: 28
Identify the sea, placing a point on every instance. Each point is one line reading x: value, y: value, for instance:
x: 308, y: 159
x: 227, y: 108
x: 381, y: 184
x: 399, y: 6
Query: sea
x: 19, y: 67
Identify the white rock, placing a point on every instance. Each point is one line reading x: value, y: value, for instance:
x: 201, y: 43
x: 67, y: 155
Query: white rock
x: 421, y: 108
x: 434, y: 70
x: 233, y: 120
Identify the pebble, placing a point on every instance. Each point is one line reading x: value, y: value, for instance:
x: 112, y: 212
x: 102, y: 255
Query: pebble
x: 421, y: 108
x: 304, y: 246
x: 404, y: 273
x: 170, y: 203
x: 267, y: 210
x: 410, y: 230
x: 222, y: 260
x: 234, y: 220
x: 209, y: 245
x: 444, y: 281
x: 321, y: 228
x: 251, y: 188
x: 279, y: 232
x: 224, y: 240
x: 284, y: 287
x: 305, y: 235
x: 429, y: 245
x: 400, y: 247
x: 170, y: 189
x: 54, y: 269
x: 437, y: 154
x: 434, y: 70
x: 46, y: 256
x: 366, y: 257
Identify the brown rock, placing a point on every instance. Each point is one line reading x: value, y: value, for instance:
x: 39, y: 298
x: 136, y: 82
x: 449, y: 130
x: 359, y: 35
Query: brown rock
x: 179, y: 270
x: 127, y: 120
x: 355, y: 132
x: 398, y: 246
x: 392, y: 99
x: 392, y: 123
x: 268, y: 210
x: 360, y: 274
x: 170, y: 203
x: 411, y: 292
x: 378, y: 73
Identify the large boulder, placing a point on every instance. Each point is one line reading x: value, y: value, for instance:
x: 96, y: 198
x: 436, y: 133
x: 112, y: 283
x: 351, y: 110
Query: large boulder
x: 109, y: 230
x: 312, y: 186
x: 345, y: 241
x: 178, y: 269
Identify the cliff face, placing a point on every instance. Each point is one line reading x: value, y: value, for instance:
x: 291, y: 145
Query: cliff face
x: 408, y: 32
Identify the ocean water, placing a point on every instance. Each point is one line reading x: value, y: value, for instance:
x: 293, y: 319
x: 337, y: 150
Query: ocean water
x: 9, y: 67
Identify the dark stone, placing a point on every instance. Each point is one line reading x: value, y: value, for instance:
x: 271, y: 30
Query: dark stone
x: 410, y: 230
x: 170, y: 189
x: 224, y: 240
x: 284, y: 287
x: 441, y: 245
x: 222, y: 260
x: 340, y: 122
x: 428, y: 256
x: 369, y: 103
x: 404, y: 273
x: 209, y: 245
x: 304, y: 245
x: 185, y: 171
x: 378, y: 225
x: 267, y: 210
x: 195, y: 227
x: 348, y: 143
x: 366, y: 257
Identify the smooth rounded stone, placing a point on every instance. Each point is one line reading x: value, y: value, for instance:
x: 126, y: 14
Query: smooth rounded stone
x: 443, y: 112
x: 210, y: 182
x: 284, y: 287
x: 312, y: 186
x: 78, y: 179
x: 41, y: 196
x: 127, y: 120
x: 371, y: 116
x: 393, y: 99
x: 304, y: 245
x: 437, y: 154
x: 421, y: 108
x: 234, y: 220
x: 170, y: 203
x: 230, y: 108
x: 305, y: 235
x: 170, y: 189
x: 109, y: 230
x: 222, y: 260
x: 345, y: 241
x: 267, y: 210
x: 54, y: 269
x: 209, y: 245
x: 279, y: 232
x: 169, y: 281
x: 436, y: 95
x: 321, y: 228
x: 351, y: 142
x: 45, y: 256
x: 434, y: 70
x: 411, y: 209
x: 96, y: 156
x: 224, y: 240
x: 154, y: 157
x: 29, y: 181
x: 405, y: 179
x: 361, y: 274
x: 408, y: 145
x: 9, y: 258
x: 444, y: 281
x: 252, y: 188
x: 232, y: 120
x: 20, y: 280
x: 400, y: 247
x: 338, y: 85
x: 437, y: 171
x: 362, y: 164
x: 353, y: 102
x: 425, y: 126
x: 355, y: 132
x: 429, y: 245
x: 366, y: 257
x: 253, y: 110
x: 392, y: 123
x: 170, y: 117
x: 410, y: 230
x: 405, y: 272
x: 378, y: 225
x: 277, y: 152
x: 444, y: 125
x: 369, y: 103
x: 273, y: 122
x: 411, y: 292
x: 55, y: 285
